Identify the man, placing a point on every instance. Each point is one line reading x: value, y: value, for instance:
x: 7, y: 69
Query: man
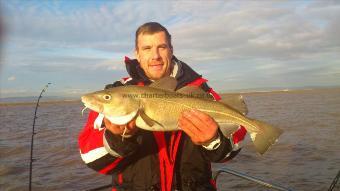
x: 145, y: 160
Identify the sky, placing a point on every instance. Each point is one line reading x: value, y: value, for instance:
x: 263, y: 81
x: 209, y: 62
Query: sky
x: 79, y: 46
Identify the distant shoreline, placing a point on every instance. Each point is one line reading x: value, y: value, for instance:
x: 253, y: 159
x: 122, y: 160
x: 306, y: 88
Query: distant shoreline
x: 286, y: 91
x: 222, y: 94
x: 40, y: 103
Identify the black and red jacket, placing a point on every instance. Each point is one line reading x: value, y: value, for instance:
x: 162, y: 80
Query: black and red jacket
x: 155, y: 160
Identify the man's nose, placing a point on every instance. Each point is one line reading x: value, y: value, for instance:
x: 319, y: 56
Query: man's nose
x: 155, y: 54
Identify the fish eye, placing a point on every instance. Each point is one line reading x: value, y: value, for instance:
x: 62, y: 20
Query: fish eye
x: 106, y: 97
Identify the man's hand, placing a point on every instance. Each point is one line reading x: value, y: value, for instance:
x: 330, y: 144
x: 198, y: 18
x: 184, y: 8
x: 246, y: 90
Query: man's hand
x: 131, y: 128
x: 200, y: 127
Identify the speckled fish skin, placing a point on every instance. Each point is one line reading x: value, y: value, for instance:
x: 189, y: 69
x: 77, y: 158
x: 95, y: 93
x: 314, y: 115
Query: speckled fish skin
x: 158, y: 110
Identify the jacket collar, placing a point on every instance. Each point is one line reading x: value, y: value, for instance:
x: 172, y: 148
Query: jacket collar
x: 181, y: 71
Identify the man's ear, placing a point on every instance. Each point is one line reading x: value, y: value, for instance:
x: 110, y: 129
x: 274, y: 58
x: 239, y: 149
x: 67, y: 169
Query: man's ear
x: 172, y: 50
x: 137, y: 55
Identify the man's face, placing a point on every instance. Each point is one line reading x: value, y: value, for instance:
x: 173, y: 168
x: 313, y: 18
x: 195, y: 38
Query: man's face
x: 154, y: 55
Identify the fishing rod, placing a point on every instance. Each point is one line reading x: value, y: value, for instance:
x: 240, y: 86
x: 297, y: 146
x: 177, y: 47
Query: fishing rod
x: 33, y: 133
x: 251, y: 178
x: 334, y: 183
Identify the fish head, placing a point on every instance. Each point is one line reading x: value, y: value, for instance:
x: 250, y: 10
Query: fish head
x: 111, y: 103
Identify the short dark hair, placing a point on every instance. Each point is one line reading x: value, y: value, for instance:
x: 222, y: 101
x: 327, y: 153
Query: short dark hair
x: 152, y: 28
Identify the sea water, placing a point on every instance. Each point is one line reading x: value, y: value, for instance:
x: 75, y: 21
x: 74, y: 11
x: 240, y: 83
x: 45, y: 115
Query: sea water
x: 306, y: 157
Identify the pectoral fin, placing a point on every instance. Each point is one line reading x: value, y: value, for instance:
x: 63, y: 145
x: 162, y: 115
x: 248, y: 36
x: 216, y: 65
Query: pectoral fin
x: 146, y: 119
x: 145, y: 122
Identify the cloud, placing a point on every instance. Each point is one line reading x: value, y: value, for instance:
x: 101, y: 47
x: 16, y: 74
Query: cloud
x: 11, y: 78
x: 269, y: 66
x: 98, y: 26
x: 278, y: 33
x: 245, y: 43
x: 110, y: 64
x: 217, y: 30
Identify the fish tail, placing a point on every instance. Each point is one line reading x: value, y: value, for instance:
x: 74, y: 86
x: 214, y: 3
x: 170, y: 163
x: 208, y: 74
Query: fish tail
x: 266, y: 137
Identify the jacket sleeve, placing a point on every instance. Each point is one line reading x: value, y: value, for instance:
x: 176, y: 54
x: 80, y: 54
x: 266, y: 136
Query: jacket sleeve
x: 230, y: 146
x: 100, y: 149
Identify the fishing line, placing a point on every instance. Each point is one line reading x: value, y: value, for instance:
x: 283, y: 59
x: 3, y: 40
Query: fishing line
x: 82, y: 111
x: 123, y: 135
x: 33, y: 133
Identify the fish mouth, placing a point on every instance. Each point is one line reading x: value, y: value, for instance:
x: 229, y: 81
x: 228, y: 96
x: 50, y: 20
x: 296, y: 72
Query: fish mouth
x: 93, y: 105
x: 122, y: 120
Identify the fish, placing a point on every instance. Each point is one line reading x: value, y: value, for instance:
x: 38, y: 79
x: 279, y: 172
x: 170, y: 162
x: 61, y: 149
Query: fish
x: 158, y: 107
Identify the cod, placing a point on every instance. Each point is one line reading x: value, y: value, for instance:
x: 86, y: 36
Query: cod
x: 158, y: 107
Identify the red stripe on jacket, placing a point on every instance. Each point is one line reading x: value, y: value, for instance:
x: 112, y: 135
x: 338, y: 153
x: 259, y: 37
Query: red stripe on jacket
x: 239, y: 135
x: 110, y: 166
x: 90, y: 138
x: 198, y: 82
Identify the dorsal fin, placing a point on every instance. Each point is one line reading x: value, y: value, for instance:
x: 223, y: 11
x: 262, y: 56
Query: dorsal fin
x: 165, y: 83
x: 195, y: 92
x: 235, y: 101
